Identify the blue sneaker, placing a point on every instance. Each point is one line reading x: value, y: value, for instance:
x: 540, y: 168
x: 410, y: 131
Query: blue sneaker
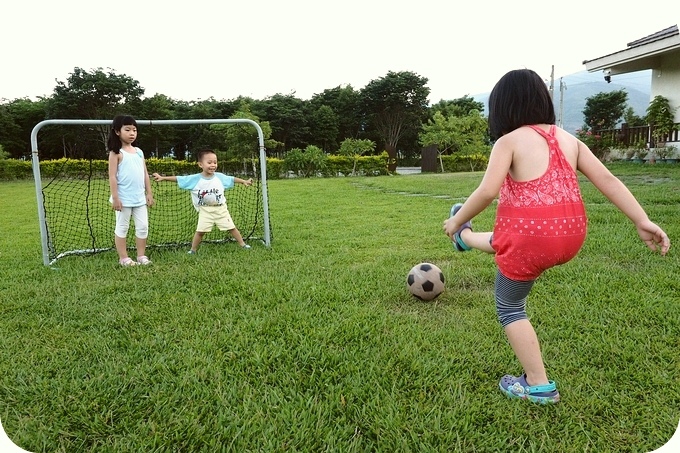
x: 458, y: 243
x: 517, y: 387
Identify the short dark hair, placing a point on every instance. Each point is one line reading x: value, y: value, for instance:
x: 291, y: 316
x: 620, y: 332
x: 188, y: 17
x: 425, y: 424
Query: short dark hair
x: 201, y: 153
x: 519, y: 98
x: 113, y: 143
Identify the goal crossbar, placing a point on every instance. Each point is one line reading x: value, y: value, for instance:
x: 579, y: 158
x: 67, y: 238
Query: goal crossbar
x: 44, y: 235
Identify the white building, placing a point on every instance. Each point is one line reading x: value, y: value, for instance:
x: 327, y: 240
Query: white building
x: 659, y: 52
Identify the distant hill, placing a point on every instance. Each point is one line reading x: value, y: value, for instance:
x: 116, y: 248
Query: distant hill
x: 582, y: 85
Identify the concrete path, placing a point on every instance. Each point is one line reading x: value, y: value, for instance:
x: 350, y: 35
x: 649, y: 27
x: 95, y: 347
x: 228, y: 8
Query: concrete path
x: 408, y: 170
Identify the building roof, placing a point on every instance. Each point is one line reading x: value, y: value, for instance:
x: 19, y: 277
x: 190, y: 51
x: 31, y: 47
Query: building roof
x: 663, y: 34
x: 639, y: 54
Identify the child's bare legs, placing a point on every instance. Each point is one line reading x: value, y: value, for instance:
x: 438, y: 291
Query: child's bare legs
x: 121, y: 247
x: 524, y: 342
x: 141, y: 246
x: 521, y: 334
x: 237, y: 235
x: 510, y: 305
x: 533, y: 384
x: 196, y: 241
x: 479, y: 241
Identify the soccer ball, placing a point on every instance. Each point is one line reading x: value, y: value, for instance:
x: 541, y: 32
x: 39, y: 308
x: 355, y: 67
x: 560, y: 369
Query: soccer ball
x: 425, y: 281
x: 209, y: 199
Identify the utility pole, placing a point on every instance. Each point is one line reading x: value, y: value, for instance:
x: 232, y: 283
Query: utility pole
x: 552, y: 83
x: 563, y: 86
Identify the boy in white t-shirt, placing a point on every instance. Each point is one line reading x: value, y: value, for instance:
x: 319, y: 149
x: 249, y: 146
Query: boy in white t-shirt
x: 207, y: 194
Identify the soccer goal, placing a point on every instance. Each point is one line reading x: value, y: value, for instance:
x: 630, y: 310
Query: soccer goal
x: 76, y: 217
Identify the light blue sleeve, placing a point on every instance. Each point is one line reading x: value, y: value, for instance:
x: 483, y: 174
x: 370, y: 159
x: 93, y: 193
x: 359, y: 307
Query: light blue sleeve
x: 188, y: 182
x: 227, y: 181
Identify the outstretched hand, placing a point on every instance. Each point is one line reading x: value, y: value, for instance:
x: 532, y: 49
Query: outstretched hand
x: 156, y: 176
x: 654, y: 237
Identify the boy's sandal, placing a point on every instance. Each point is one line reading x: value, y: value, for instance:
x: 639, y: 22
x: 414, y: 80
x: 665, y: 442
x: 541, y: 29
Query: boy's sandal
x: 517, y: 387
x: 143, y: 260
x: 458, y: 243
x: 127, y: 262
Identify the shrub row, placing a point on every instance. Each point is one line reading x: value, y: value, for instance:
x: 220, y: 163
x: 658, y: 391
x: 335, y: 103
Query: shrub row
x: 297, y: 166
x: 470, y: 162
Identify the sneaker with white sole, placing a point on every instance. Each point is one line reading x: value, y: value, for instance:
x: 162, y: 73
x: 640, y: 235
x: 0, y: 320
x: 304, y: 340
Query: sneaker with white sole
x: 517, y: 387
x: 458, y: 243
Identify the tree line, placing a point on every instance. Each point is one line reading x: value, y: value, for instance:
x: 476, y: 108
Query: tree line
x: 392, y: 113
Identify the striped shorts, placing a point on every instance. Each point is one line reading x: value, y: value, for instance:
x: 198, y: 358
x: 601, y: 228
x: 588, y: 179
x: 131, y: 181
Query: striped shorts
x: 511, y: 298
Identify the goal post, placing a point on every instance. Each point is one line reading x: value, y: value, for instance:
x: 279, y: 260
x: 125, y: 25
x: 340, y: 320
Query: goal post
x: 51, y: 254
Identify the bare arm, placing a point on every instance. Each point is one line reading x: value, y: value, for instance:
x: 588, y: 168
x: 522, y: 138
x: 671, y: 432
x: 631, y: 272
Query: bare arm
x: 496, y: 171
x: 113, y: 180
x: 159, y: 178
x: 147, y: 186
x: 245, y: 182
x: 611, y: 187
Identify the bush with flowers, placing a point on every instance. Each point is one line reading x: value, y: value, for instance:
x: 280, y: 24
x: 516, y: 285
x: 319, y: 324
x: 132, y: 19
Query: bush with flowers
x: 598, y: 144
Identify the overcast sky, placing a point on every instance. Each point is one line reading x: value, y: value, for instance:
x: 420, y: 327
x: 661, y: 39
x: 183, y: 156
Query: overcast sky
x: 199, y: 49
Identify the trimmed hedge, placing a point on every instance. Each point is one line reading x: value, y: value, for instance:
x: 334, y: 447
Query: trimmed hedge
x: 11, y: 169
x: 471, y: 162
x: 365, y: 165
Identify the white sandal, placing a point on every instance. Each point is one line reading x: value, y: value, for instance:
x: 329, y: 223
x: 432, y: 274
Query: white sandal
x: 143, y: 260
x: 127, y: 262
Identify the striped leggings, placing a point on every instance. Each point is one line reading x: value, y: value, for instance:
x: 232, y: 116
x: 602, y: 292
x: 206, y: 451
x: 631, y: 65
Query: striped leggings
x: 511, y: 298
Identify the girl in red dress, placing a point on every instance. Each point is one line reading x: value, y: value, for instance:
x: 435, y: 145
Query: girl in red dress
x: 540, y: 219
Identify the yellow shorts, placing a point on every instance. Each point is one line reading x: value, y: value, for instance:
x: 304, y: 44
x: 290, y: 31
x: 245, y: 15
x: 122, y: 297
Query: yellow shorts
x: 209, y: 216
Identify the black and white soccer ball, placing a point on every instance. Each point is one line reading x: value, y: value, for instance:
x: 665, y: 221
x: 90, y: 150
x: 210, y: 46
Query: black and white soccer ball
x: 425, y: 281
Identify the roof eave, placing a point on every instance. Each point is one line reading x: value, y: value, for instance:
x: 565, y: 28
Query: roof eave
x: 635, y: 58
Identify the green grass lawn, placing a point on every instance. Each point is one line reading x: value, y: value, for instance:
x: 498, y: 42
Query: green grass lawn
x: 315, y: 344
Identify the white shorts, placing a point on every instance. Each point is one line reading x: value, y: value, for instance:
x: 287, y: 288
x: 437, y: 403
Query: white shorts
x: 209, y: 216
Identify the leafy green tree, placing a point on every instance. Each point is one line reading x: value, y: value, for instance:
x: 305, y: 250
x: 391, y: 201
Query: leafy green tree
x: 182, y: 136
x: 324, y: 124
x: 456, y: 134
x: 94, y: 95
x: 17, y: 120
x: 288, y: 118
x: 631, y: 119
x: 346, y: 104
x: 394, y: 105
x: 188, y: 139
x: 457, y: 107
x: 354, y: 148
x: 9, y: 133
x: 90, y: 95
x: 241, y: 140
x: 157, y: 140
x: 202, y: 136
x: 661, y: 118
x: 306, y: 163
x: 604, y: 110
